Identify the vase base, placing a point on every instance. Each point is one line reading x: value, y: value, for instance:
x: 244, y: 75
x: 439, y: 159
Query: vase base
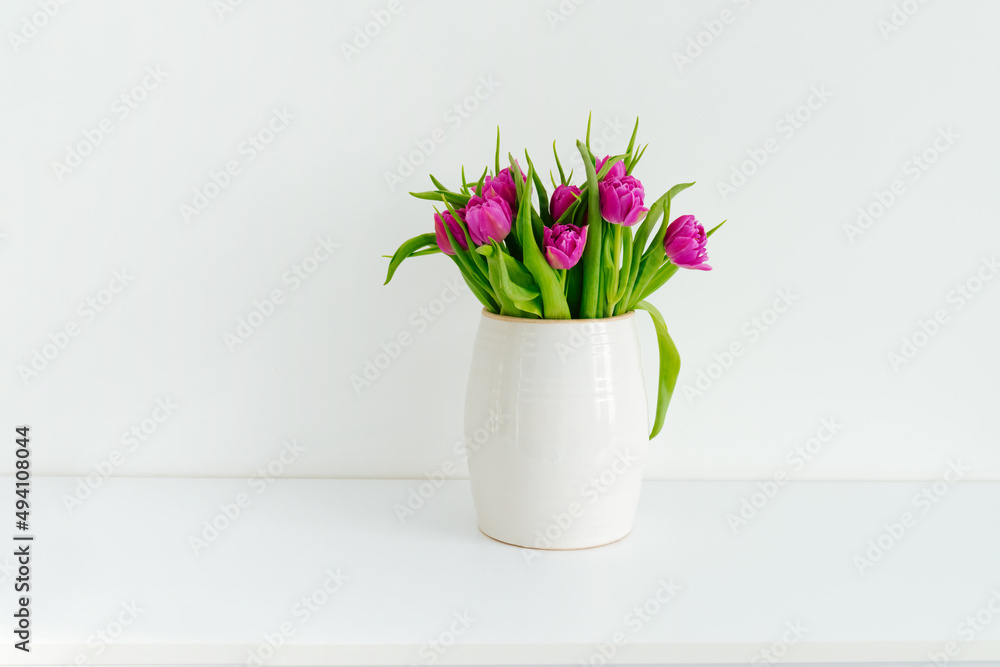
x: 521, y: 546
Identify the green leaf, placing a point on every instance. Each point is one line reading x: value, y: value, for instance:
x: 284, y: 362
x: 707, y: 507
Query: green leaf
x: 407, y: 250
x: 513, y: 284
x: 518, y: 182
x: 665, y: 273
x: 579, y: 209
x: 606, y: 286
x: 517, y: 292
x: 589, y: 117
x: 534, y: 306
x: 608, y: 273
x: 645, y: 229
x: 537, y: 227
x: 484, y: 296
x: 479, y: 184
x: 553, y: 300
x: 470, y: 262
x: 513, y: 247
x: 606, y: 167
x: 543, y: 197
x: 497, y: 158
x: 574, y: 210
x: 670, y: 366
x: 419, y: 253
x: 635, y: 161
x: 712, y: 230
x: 507, y: 306
x: 562, y: 176
x: 524, y: 198
x: 648, y: 224
x: 436, y: 195
x: 475, y: 258
x: 519, y: 274
x: 592, y: 251
x: 438, y: 184
x: 631, y: 142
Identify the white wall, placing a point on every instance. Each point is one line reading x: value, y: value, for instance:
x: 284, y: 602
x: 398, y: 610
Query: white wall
x: 323, y: 177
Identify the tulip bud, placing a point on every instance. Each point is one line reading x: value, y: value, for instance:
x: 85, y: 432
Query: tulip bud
x: 617, y: 169
x: 684, y: 243
x: 454, y: 226
x: 502, y: 185
x: 621, y: 200
x: 562, y: 198
x: 563, y: 245
x: 488, y: 218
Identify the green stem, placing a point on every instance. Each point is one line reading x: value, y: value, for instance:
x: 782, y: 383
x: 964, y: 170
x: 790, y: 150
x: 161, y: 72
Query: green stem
x: 670, y: 366
x: 616, y: 254
x: 592, y: 255
x: 610, y: 273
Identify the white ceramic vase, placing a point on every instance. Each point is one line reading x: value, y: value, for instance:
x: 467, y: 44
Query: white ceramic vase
x: 557, y: 429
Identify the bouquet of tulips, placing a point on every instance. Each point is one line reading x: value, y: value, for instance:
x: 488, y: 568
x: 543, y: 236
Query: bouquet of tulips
x: 575, y: 256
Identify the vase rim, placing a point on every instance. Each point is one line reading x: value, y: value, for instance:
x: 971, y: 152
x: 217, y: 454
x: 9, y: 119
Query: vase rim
x: 532, y: 320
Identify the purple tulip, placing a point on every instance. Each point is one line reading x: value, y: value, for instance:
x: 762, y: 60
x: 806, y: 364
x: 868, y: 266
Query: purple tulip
x: 502, y: 185
x: 562, y: 198
x: 564, y: 245
x: 456, y: 230
x: 487, y: 218
x: 621, y: 200
x: 616, y: 171
x: 685, y: 243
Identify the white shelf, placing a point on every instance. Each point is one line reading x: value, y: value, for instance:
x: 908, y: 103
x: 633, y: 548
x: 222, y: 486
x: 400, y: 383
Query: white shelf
x: 792, y: 563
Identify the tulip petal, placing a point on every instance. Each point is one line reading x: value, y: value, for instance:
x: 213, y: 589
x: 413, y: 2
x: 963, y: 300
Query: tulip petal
x: 556, y: 258
x: 636, y: 215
